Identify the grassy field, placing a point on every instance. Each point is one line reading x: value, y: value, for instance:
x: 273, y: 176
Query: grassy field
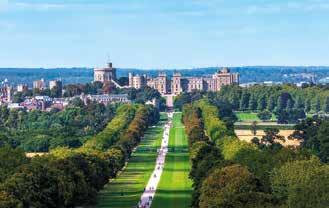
x: 175, y: 187
x: 249, y: 116
x: 125, y: 191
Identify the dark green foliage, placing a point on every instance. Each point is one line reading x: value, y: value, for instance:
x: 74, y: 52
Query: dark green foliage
x: 233, y: 186
x: 187, y: 98
x: 88, y: 88
x: 302, y: 183
x: 264, y: 115
x: 314, y: 135
x: 38, y: 131
x: 11, y: 160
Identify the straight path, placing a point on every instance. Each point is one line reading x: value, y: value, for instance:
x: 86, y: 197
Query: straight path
x: 125, y: 190
x: 175, y: 187
x: 149, y: 191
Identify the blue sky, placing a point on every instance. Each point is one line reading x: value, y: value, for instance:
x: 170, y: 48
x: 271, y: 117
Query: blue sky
x: 163, y: 33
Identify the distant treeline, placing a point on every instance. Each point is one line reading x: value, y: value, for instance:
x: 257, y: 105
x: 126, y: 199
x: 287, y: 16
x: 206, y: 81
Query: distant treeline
x: 248, y: 74
x: 72, y: 177
x: 227, y: 172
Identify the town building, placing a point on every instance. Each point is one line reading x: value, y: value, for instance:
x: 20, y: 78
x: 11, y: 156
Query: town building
x: 106, y: 98
x: 55, y: 84
x: 39, y: 84
x: 22, y: 88
x: 178, y: 84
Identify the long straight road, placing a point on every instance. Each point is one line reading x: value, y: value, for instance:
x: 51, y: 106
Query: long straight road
x: 150, y: 189
x: 175, y: 188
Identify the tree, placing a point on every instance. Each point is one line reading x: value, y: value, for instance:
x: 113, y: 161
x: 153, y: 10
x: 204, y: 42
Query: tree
x: 225, y: 185
x: 123, y: 81
x: 56, y: 92
x: 252, y: 103
x: 283, y: 101
x: 11, y: 160
x: 203, y: 157
x: 8, y: 201
x: 271, y: 104
x: 272, y: 138
x: 244, y: 101
x: 300, y: 103
x: 264, y: 115
x: 316, y: 105
x: 290, y: 103
x: 308, y: 105
x: 326, y: 105
x: 323, y: 138
x: 77, y: 102
x: 261, y: 103
x: 254, y: 128
x: 302, y: 183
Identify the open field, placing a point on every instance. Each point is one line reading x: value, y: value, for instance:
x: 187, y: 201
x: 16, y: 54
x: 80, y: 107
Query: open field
x: 247, y: 135
x: 250, y: 116
x: 175, y: 188
x: 125, y: 190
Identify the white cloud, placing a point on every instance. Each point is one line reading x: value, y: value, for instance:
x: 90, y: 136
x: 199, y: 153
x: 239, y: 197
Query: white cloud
x: 38, y: 6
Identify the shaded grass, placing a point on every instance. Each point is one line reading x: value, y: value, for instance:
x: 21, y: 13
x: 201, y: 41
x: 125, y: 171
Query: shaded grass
x: 175, y: 188
x: 125, y: 191
x: 250, y: 116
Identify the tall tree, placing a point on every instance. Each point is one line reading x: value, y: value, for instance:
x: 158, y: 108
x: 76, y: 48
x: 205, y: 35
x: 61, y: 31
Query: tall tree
x: 261, y: 103
x: 271, y: 104
x: 244, y: 102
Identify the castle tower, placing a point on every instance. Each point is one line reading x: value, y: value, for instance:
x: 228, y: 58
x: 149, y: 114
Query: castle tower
x: 105, y: 74
x: 176, y: 86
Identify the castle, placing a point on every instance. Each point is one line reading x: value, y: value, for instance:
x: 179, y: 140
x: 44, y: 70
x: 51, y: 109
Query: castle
x: 105, y: 74
x: 171, y: 85
x: 178, y: 84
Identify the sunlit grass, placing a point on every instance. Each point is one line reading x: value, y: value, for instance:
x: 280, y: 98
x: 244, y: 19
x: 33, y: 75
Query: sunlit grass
x: 125, y: 191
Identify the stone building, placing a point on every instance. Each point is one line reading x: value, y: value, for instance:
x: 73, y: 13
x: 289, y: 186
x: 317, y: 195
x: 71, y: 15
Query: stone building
x: 105, y: 74
x: 137, y: 81
x: 55, y: 83
x: 39, y: 84
x: 22, y: 87
x: 178, y: 84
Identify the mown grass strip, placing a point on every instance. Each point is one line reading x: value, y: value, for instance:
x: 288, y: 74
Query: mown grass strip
x: 175, y: 188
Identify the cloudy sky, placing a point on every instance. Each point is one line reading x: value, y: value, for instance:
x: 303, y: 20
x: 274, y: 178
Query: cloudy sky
x: 163, y: 33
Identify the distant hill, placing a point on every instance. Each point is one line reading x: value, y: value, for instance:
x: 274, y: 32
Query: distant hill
x: 248, y: 74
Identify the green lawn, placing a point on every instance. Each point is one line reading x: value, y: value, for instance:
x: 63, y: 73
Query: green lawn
x: 250, y: 116
x: 125, y: 191
x: 175, y: 188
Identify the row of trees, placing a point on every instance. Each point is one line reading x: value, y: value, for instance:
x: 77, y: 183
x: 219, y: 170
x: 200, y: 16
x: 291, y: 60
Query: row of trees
x: 71, y: 177
x: 260, y: 97
x: 227, y: 172
x: 288, y: 102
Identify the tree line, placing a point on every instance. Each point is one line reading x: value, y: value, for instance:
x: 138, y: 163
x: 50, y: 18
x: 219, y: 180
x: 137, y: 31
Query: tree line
x: 288, y: 102
x: 227, y: 172
x: 72, y: 177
